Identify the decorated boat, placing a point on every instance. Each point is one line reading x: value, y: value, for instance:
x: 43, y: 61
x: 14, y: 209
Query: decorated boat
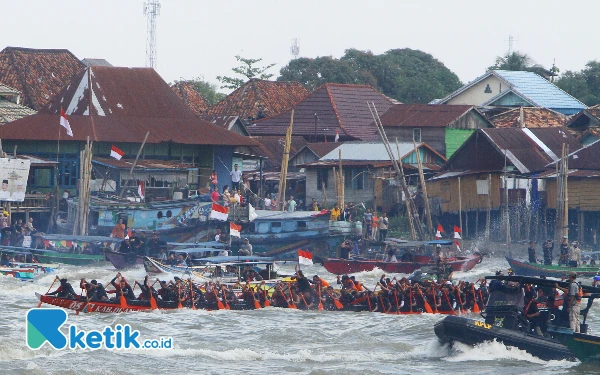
x: 343, y: 266
x: 18, y: 273
x: 536, y: 269
x: 171, y: 219
x: 18, y: 258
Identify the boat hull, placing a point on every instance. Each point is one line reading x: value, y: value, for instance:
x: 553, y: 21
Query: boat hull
x: 122, y: 261
x: 472, y: 332
x: 537, y: 270
x: 585, y: 347
x: 68, y: 258
x: 343, y: 266
x: 18, y: 273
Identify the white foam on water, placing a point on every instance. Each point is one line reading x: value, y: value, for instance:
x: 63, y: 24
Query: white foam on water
x: 495, y: 351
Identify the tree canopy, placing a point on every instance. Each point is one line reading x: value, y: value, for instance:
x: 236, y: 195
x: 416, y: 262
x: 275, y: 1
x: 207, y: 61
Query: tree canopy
x: 207, y: 90
x: 248, y: 70
x: 583, y: 85
x: 410, y: 76
x: 522, y: 62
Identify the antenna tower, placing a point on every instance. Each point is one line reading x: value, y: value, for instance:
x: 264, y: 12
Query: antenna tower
x: 295, y: 48
x: 151, y: 10
x: 511, y: 40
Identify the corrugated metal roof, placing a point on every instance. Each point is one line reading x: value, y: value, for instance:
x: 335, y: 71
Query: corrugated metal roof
x: 10, y: 111
x: 95, y: 62
x: 537, y: 89
x: 38, y: 74
x: 584, y: 158
x: 423, y: 115
x: 143, y: 164
x: 337, y: 106
x: 527, y: 149
x: 533, y: 118
x: 126, y: 102
x: 260, y: 98
x: 369, y: 151
x: 7, y: 90
x: 191, y: 97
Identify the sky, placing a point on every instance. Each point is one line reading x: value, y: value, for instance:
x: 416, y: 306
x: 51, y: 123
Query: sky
x: 200, y: 38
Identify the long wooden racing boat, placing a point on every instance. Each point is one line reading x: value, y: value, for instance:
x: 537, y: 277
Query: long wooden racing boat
x: 343, y: 266
x: 536, y: 270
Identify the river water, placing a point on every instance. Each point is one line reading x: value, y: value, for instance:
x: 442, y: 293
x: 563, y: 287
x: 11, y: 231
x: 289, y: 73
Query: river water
x: 266, y: 341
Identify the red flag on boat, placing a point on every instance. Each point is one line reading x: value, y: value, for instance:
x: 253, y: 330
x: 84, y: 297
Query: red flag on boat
x: 141, y: 190
x: 234, y: 230
x: 438, y: 234
x: 64, y: 122
x: 305, y: 258
x: 218, y: 212
x: 457, y: 232
x: 457, y: 245
x: 116, y: 153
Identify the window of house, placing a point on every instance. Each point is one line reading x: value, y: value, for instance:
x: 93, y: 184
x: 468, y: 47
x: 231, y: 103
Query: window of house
x: 356, y: 178
x: 488, y: 89
x: 322, y: 175
x: 417, y: 134
x: 68, y: 173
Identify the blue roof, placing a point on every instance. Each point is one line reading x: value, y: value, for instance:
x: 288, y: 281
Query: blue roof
x: 536, y: 89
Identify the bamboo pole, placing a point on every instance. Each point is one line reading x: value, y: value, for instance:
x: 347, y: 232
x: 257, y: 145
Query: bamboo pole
x: 460, y: 211
x: 424, y: 187
x: 284, y: 163
x: 335, y: 185
x: 489, y: 209
x: 341, y: 183
x: 566, y: 188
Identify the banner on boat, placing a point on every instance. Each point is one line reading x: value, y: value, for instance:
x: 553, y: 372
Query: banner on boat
x: 13, y: 175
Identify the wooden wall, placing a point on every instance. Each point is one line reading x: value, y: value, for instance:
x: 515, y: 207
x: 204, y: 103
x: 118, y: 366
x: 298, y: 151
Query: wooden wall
x: 583, y: 194
x: 447, y: 191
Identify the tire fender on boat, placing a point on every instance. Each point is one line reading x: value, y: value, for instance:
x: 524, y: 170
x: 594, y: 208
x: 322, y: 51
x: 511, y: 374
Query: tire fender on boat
x: 479, y: 255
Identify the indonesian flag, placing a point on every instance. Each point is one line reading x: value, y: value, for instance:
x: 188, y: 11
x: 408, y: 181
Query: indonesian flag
x: 218, y: 212
x: 457, y: 232
x: 141, y: 190
x: 337, y: 136
x: 64, y: 122
x: 116, y: 153
x: 234, y: 230
x: 305, y: 258
x: 438, y: 234
x: 457, y: 245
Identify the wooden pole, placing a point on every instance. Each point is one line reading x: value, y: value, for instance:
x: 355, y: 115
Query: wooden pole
x: 488, y: 215
x: 134, y: 164
x: 460, y: 212
x: 341, y: 183
x: 335, y: 185
x: 566, y: 188
x: 424, y: 188
x: 284, y: 163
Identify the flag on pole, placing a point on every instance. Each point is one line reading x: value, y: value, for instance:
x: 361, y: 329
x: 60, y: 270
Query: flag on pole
x: 234, y: 230
x: 116, y: 153
x: 64, y: 122
x: 457, y: 232
x: 457, y: 245
x: 337, y: 135
x: 141, y: 190
x: 218, y: 212
x: 251, y: 213
x: 438, y: 234
x: 305, y: 258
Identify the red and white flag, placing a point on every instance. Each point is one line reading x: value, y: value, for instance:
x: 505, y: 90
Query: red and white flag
x: 337, y: 136
x: 305, y: 258
x: 457, y: 245
x: 438, y: 234
x: 218, y: 212
x: 141, y: 190
x: 234, y: 230
x: 64, y: 122
x: 116, y: 153
x: 457, y: 232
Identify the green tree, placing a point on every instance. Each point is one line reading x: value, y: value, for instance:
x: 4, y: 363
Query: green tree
x: 207, y: 90
x: 407, y: 75
x: 583, y: 85
x: 523, y: 62
x: 248, y: 70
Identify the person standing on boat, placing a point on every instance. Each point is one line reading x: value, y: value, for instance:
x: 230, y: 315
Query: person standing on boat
x: 547, y: 250
x: 215, y: 196
x: 236, y: 177
x: 531, y: 252
x: 267, y: 201
x: 245, y: 248
x: 125, y: 246
x: 142, y: 249
x: 383, y: 227
x: 118, y: 230
x: 573, y: 299
x: 575, y: 255
x: 564, y: 251
x: 214, y: 180
x: 291, y: 204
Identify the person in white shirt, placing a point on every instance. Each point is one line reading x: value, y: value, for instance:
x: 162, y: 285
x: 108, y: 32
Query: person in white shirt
x: 236, y: 176
x: 268, y: 202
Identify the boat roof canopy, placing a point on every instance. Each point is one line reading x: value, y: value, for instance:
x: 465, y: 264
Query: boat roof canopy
x: 542, y: 282
x: 66, y: 237
x: 194, y: 251
x: 242, y: 260
x: 204, y: 245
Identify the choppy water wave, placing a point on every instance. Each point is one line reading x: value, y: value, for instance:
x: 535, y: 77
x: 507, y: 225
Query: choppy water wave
x: 270, y: 340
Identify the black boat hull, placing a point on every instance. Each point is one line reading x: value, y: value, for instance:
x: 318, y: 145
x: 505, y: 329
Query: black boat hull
x: 472, y: 332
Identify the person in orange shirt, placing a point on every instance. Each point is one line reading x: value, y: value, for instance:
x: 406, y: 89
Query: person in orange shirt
x: 374, y: 226
x: 119, y: 230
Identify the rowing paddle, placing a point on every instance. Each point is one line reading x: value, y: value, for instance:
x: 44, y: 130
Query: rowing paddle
x: 192, y: 294
x: 428, y: 308
x: 448, y: 301
x: 256, y: 302
x: 225, y: 297
x: 321, y: 308
x: 475, y: 305
x: 220, y: 305
x: 267, y: 302
x: 56, y: 278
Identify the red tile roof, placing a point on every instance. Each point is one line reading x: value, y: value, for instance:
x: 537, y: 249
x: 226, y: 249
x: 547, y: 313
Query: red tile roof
x: 127, y: 102
x: 272, y: 148
x: 259, y: 98
x: 191, y: 97
x: 38, y: 74
x: 339, y: 107
x: 423, y: 115
x: 532, y: 118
